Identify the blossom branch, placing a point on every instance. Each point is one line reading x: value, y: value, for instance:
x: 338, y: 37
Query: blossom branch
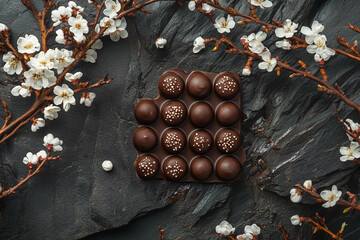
x: 347, y: 128
x: 100, y: 7
x: 268, y: 26
x: 29, y: 176
x: 284, y: 232
x: 161, y: 233
x: 319, y: 224
x: 319, y: 199
x: 7, y: 112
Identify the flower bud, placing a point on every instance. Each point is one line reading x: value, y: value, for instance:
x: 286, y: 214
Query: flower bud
x: 246, y: 71
x: 107, y: 165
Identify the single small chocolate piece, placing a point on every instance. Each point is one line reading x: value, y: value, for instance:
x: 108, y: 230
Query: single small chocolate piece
x: 145, y: 139
x: 174, y: 167
x: 171, y: 85
x: 146, y: 111
x: 227, y: 140
x: 147, y: 166
x: 201, y: 168
x: 198, y: 85
x: 201, y: 114
x: 228, y: 168
x: 173, y: 140
x: 200, y: 141
x: 173, y: 113
x: 226, y: 86
x: 228, y: 114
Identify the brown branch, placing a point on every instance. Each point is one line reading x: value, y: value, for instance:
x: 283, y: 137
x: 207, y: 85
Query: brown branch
x: 347, y: 128
x: 7, y: 112
x: 101, y: 82
x: 284, y: 232
x: 98, y: 13
x: 28, y: 177
x: 324, y: 228
x: 161, y: 233
x: 354, y: 28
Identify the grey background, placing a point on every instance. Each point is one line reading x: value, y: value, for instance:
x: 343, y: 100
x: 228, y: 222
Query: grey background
x: 74, y: 198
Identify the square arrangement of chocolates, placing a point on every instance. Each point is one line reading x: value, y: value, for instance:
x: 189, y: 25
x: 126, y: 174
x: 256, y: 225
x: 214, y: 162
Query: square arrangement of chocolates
x: 191, y: 131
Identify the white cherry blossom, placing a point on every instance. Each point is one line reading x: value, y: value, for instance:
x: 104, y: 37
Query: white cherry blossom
x: 62, y: 14
x: 73, y: 77
x: 160, y: 42
x: 42, y: 61
x: 3, y: 27
x: 244, y: 236
x: 198, y: 44
x: 253, y: 229
x: 28, y: 44
x: 268, y: 63
x: 331, y: 197
x: 295, y: 195
x: 288, y: 29
x: 78, y: 25
x: 353, y: 127
x: 64, y: 95
x: 223, y: 25
x: 63, y: 58
x: 109, y: 24
x: 192, y: 5
x: 51, y: 112
x: 91, y: 56
x: 37, y: 123
x: 350, y: 153
x: 310, y: 34
x: 87, y: 98
x: 208, y: 8
x: 21, y: 90
x: 308, y: 184
x: 12, y: 64
x: 319, y: 48
x: 255, y: 42
x: 73, y: 6
x: 284, y: 44
x: 39, y: 79
x: 98, y: 44
x: 120, y: 31
x: 52, y: 143
x: 60, y: 37
x: 111, y: 8
x: 261, y: 3
x: 224, y: 229
x: 295, y: 220
x: 32, y: 159
x: 246, y: 71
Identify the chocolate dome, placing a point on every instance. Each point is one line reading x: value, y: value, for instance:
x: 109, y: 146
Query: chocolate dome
x: 145, y: 139
x: 201, y: 114
x: 174, y: 167
x: 200, y: 141
x: 147, y: 166
x: 171, y: 85
x: 146, y: 111
x: 228, y: 168
x: 198, y: 85
x: 227, y: 140
x: 173, y: 113
x: 173, y: 140
x: 226, y: 86
x: 201, y: 168
x: 228, y: 114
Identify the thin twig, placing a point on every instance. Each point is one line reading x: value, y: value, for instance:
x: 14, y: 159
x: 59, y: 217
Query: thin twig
x: 28, y: 177
x: 7, y: 112
x: 284, y: 232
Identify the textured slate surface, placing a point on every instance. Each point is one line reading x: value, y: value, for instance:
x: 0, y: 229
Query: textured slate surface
x: 74, y: 198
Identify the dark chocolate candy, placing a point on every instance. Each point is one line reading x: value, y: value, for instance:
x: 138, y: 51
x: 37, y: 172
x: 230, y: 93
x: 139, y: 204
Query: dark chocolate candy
x: 201, y: 114
x: 227, y: 114
x: 145, y: 139
x: 200, y: 141
x: 195, y: 136
x: 198, y: 85
x: 226, y: 86
x: 173, y: 140
x: 173, y: 113
x: 171, y: 85
x: 174, y: 167
x: 201, y: 168
x: 146, y: 111
x: 147, y: 166
x: 228, y: 168
x: 227, y: 140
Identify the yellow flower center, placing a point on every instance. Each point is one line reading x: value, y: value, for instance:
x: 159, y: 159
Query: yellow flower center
x: 78, y: 25
x: 14, y: 62
x: 108, y: 24
x: 64, y: 95
x: 224, y: 24
x: 28, y: 46
x: 113, y: 7
x: 331, y: 197
x: 259, y: 1
x: 36, y: 76
x: 43, y: 62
